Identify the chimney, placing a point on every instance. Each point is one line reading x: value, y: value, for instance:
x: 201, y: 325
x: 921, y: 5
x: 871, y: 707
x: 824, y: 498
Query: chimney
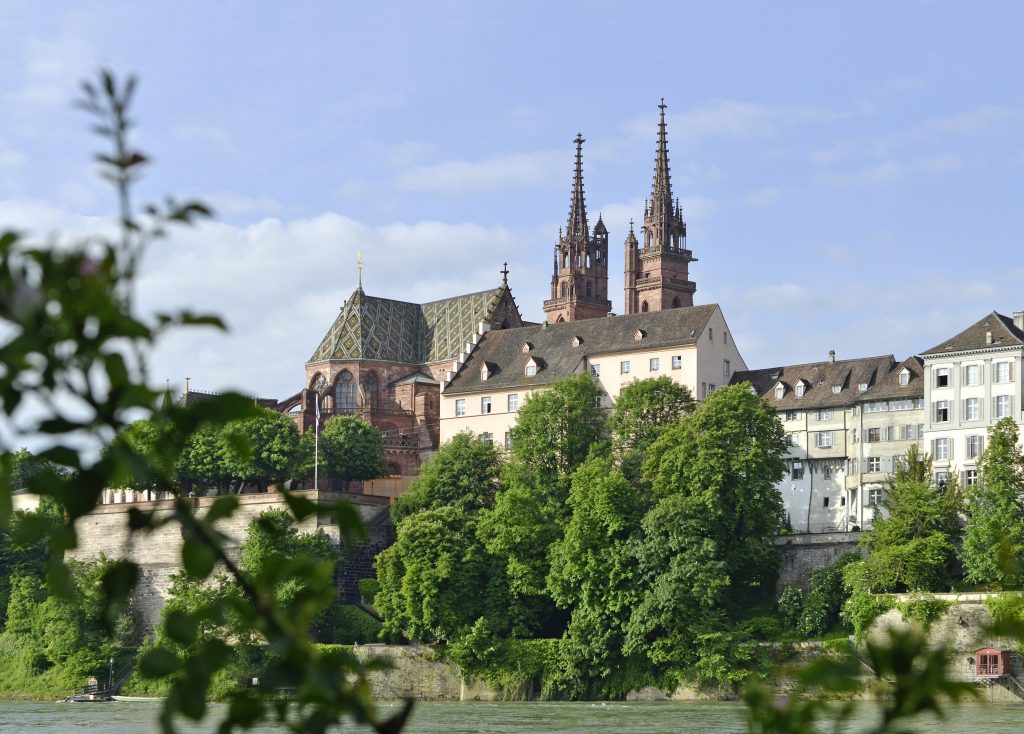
x: 1018, y: 319
x: 831, y: 356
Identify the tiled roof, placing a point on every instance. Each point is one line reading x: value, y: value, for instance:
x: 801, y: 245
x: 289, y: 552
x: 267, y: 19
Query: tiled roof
x: 551, y: 346
x: 369, y: 327
x: 818, y: 379
x: 1004, y: 334
x: 889, y: 387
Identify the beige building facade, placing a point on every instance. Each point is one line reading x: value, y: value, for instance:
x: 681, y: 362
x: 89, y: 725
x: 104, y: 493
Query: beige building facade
x: 693, y: 346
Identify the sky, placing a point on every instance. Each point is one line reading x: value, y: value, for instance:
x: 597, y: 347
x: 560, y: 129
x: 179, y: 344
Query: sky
x: 851, y: 172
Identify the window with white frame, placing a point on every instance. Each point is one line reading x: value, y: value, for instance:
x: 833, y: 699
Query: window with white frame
x: 595, y: 370
x: 460, y: 408
x: 792, y: 415
x: 531, y: 370
x: 972, y: 374
x: 677, y: 361
x: 836, y: 389
x: 788, y: 439
x: 726, y: 367
x: 485, y: 405
x: 823, y: 439
x: 905, y: 377
x: 901, y: 404
x: 799, y: 389
x: 508, y: 439
x: 942, y: 449
x: 872, y: 435
x: 825, y: 414
x: 941, y: 377
x: 1002, y: 407
x: 971, y: 477
x: 874, y: 496
x: 1002, y: 372
x: 513, y: 402
x: 487, y: 437
x: 655, y: 364
x: 972, y: 409
x: 624, y: 367
x: 941, y: 477
x: 826, y: 471
x: 975, y: 445
x: 941, y: 412
x: 874, y: 464
x: 862, y: 386
x: 711, y: 387
x: 780, y: 390
x: 797, y: 471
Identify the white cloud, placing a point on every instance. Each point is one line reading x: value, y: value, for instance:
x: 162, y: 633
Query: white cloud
x: 230, y: 203
x: 941, y: 163
x: 972, y: 122
x: 11, y: 158
x: 408, y: 153
x: 511, y: 171
x: 763, y: 196
x: 881, y: 173
x: 51, y: 70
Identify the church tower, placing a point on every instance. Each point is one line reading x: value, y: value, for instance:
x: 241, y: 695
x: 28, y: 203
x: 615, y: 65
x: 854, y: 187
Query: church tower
x: 579, y: 283
x: 658, y: 266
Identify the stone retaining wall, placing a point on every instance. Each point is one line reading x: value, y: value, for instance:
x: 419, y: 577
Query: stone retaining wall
x: 805, y: 553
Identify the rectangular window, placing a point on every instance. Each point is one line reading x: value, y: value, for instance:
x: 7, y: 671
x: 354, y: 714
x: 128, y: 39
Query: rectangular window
x: 711, y: 388
x: 531, y: 370
x: 1002, y: 370
x: 824, y: 501
x: 485, y: 405
x: 487, y: 437
x: 942, y: 449
x: 798, y: 470
x: 460, y: 408
x: 874, y: 496
x: 1002, y: 406
x: 873, y: 464
x: 971, y: 477
x: 725, y: 367
x: 878, y: 407
x: 825, y: 414
x: 823, y: 439
x: 904, y: 377
x: 624, y: 367
x: 655, y: 364
x: 842, y: 501
x: 975, y: 446
x: 942, y: 377
x: 711, y: 334
x: 508, y: 439
x: 972, y: 409
x: 972, y: 374
x: 941, y: 411
x: 595, y: 370
x: 941, y: 476
x: 703, y: 390
x: 791, y: 415
x: 872, y: 435
x: 788, y: 439
x: 826, y: 471
x: 677, y: 362
x: 513, y: 402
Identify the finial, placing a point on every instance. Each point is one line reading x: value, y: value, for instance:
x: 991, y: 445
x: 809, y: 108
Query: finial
x: 359, y: 265
x: 187, y: 381
x: 504, y: 274
x: 631, y: 225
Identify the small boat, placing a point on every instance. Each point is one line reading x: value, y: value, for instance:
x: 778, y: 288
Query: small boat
x: 139, y: 698
x: 101, y: 697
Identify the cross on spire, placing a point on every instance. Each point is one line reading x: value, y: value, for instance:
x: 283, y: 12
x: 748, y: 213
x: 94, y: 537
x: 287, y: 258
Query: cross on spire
x: 359, y: 265
x: 504, y: 274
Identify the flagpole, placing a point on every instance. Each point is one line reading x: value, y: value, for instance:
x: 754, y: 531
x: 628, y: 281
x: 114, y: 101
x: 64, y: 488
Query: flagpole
x: 316, y: 445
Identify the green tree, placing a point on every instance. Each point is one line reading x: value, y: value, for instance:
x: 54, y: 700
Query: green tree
x: 708, y: 545
x: 204, y: 460
x: 593, y: 575
x: 351, y: 448
x: 642, y: 411
x: 911, y: 545
x: 262, y: 449
x: 149, y: 440
x: 464, y: 472
x: 23, y: 549
x: 993, y: 548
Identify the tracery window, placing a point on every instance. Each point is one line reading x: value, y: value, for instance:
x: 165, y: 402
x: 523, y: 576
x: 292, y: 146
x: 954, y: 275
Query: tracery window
x: 345, y: 393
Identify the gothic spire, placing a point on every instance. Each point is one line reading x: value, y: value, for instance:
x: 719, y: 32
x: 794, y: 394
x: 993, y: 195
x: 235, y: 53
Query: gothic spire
x: 577, y: 228
x: 661, y: 191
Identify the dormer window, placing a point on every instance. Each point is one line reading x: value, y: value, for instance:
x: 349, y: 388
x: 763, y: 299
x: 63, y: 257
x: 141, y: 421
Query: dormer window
x: 639, y: 334
x: 527, y: 347
x: 780, y: 390
x: 576, y: 341
x: 905, y: 377
x: 532, y: 367
x: 799, y: 389
x: 862, y: 386
x: 836, y: 389
x: 484, y: 373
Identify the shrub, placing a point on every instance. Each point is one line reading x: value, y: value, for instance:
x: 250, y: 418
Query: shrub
x: 353, y: 626
x: 923, y: 609
x: 791, y: 606
x: 1006, y: 607
x: 861, y: 609
x: 825, y: 599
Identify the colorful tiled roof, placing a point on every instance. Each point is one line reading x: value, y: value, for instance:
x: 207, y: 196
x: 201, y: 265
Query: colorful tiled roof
x: 369, y: 327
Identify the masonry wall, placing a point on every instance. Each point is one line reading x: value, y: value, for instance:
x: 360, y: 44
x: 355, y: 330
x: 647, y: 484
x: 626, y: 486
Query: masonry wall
x: 158, y: 553
x: 805, y: 553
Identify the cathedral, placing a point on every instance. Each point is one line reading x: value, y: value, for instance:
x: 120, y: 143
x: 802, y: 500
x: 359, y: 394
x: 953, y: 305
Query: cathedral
x: 386, y: 361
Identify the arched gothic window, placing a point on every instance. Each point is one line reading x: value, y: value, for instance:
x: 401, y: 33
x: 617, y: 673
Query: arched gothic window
x: 563, y: 289
x: 345, y: 393
x: 371, y: 397
x: 588, y: 289
x: 644, y: 308
x: 676, y: 303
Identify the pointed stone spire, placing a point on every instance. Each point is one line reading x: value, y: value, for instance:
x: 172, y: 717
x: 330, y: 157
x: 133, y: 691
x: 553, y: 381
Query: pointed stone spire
x: 577, y: 228
x: 661, y: 191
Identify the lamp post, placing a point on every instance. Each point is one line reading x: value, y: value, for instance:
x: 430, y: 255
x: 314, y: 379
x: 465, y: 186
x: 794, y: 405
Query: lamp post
x: 110, y: 676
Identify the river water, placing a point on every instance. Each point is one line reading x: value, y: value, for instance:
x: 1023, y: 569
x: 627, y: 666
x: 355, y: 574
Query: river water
x: 500, y: 718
